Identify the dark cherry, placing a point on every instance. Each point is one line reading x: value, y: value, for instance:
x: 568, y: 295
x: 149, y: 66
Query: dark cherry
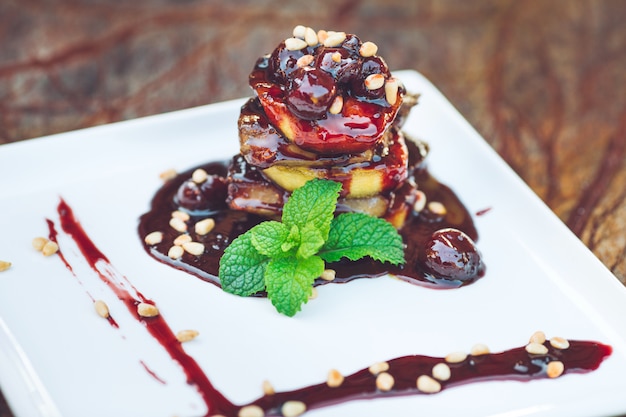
x: 282, y: 62
x: 310, y: 93
x: 452, y: 254
x: 339, y: 70
x: 369, y: 66
x: 206, y: 197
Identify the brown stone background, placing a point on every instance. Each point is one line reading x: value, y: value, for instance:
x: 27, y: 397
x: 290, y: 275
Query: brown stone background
x: 543, y: 81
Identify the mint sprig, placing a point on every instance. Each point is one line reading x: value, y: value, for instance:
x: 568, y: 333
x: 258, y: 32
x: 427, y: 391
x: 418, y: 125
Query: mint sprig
x: 284, y: 258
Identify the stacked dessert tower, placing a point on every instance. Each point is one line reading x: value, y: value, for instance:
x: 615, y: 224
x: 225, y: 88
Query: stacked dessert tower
x: 326, y: 106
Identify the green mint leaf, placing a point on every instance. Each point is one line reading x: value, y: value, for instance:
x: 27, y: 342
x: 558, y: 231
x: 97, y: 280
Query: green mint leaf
x: 311, y: 241
x: 268, y: 238
x: 313, y: 203
x: 289, y: 282
x: 356, y: 235
x: 242, y: 267
x: 293, y: 239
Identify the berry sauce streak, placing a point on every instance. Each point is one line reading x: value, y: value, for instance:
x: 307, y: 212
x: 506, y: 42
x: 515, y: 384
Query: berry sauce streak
x: 514, y: 364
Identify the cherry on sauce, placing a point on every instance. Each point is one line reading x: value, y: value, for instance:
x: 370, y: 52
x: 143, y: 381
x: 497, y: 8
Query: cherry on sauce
x: 208, y: 196
x: 310, y: 93
x: 452, y: 254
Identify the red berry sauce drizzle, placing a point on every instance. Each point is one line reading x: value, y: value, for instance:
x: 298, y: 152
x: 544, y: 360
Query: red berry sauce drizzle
x: 519, y: 364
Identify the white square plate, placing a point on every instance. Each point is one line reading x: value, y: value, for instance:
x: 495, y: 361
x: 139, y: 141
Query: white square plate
x: 58, y: 358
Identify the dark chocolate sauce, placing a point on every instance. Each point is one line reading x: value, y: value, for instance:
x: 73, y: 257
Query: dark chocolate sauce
x: 515, y: 364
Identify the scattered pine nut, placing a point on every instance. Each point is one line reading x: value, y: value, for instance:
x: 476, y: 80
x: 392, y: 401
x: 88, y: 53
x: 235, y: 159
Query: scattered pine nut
x: 147, y: 310
x: 456, y: 357
x: 384, y: 381
x: 194, y: 248
x: 536, y: 349
x: 336, y: 57
x: 441, y: 371
x: 199, y: 176
x: 379, y: 367
x: 322, y: 35
x: 555, y: 369
x: 479, y: 349
x: 186, y: 335
x: 313, y: 294
x: 167, y: 175
x: 154, y: 238
x: 39, y: 242
x: 374, y: 81
x: 428, y: 385
x: 437, y: 208
x: 181, y: 215
x: 182, y: 239
x: 336, y: 106
x: 310, y: 37
x: 328, y: 275
x: 175, y: 252
x: 304, y: 60
x: 178, y: 225
x: 268, y: 388
x: 102, y: 309
x: 420, y: 201
x: 299, y: 31
x: 334, y: 39
x: 334, y: 379
x: 538, y: 337
x: 50, y: 248
x: 295, y: 44
x: 559, y: 343
x: 391, y: 91
x: 251, y: 411
x: 293, y: 408
x: 368, y: 49
x: 204, y: 226
x: 4, y: 265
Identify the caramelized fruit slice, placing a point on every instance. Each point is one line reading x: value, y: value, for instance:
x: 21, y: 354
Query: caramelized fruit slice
x: 387, y: 169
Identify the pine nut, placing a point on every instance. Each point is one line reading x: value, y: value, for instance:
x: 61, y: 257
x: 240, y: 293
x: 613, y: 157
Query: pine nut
x: 4, y: 265
x: 147, y: 310
x: 322, y: 35
x: 304, y: 60
x: 437, y: 208
x: 441, y: 371
x: 299, y: 31
x: 559, y: 343
x: 39, y: 242
x: 536, y: 349
x: 368, y: 49
x: 154, y: 238
x: 328, y: 275
x: 391, y: 91
x: 313, y: 294
x: 178, y: 225
x: 186, y: 335
x: 204, y: 226
x: 268, y: 388
x: 334, y: 39
x: 336, y: 106
x: 182, y: 239
x: 293, y: 408
x: 251, y: 411
x: 199, y: 176
x: 310, y: 37
x: 167, y: 175
x: 181, y: 215
x: 374, y: 81
x: 334, y: 379
x: 50, y: 248
x: 538, y: 337
x: 555, y: 369
x: 379, y: 367
x: 336, y: 57
x: 456, y: 357
x: 194, y: 248
x: 384, y: 381
x: 175, y: 252
x: 102, y: 309
x: 420, y: 201
x: 428, y: 385
x: 295, y: 44
x: 479, y: 349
